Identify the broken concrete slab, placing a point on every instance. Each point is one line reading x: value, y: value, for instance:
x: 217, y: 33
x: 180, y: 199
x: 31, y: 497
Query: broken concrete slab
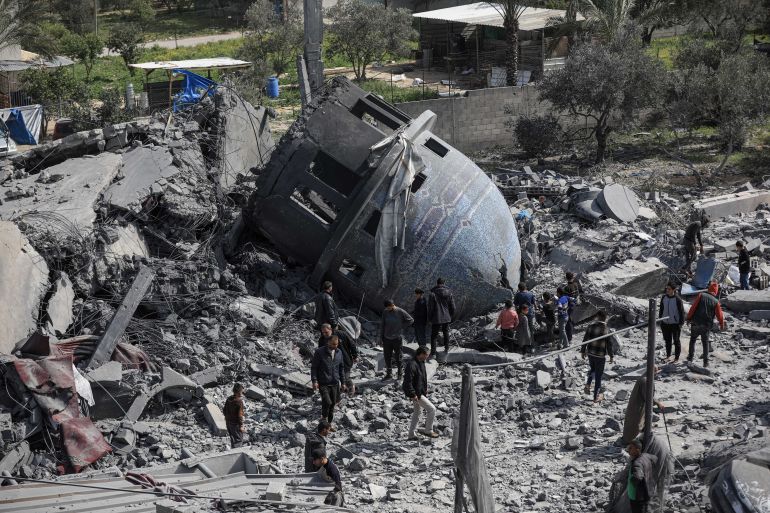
x: 632, y: 278
x: 170, y: 380
x: 126, y: 241
x: 754, y: 332
x: 23, y: 283
x: 295, y: 380
x: 215, y: 419
x: 731, y: 204
x: 259, y: 314
x: 582, y: 251
x: 744, y: 301
x: 108, y: 374
x: 619, y: 202
x: 60, y: 303
x: 207, y: 376
x: 759, y: 315
x: 141, y: 168
x: 74, y: 195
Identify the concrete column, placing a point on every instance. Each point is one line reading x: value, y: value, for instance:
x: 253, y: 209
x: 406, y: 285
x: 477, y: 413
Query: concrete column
x: 313, y: 43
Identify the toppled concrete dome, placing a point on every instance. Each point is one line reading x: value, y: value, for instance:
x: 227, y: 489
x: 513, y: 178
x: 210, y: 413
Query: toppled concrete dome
x: 384, y: 206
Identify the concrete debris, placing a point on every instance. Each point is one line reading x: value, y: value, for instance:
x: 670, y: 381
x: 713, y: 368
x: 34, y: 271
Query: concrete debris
x: 731, y: 204
x: 60, y: 304
x: 215, y: 419
x: 746, y: 301
x: 259, y: 314
x: 619, y: 202
x: 631, y: 278
x: 142, y: 175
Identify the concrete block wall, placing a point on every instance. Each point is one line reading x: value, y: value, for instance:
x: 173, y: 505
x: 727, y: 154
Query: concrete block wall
x: 478, y: 120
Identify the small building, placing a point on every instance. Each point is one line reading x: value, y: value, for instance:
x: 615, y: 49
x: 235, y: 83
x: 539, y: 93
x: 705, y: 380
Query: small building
x: 13, y: 62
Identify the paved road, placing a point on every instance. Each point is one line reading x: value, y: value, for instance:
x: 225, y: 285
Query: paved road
x: 185, y: 41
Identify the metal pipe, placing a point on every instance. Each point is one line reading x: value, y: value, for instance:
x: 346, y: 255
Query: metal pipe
x: 650, y: 392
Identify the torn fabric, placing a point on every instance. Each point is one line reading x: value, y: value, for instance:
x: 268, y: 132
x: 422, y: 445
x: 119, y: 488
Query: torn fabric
x: 83, y: 442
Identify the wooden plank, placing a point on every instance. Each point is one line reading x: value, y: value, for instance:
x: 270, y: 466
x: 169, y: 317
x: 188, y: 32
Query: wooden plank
x: 122, y: 316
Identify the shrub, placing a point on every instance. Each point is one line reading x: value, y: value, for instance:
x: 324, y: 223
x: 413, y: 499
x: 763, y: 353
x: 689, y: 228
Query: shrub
x: 537, y: 135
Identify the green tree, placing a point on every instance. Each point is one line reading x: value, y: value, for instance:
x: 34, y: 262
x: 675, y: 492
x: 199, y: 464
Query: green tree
x: 652, y: 15
x: 141, y: 12
x: 511, y: 11
x: 126, y: 40
x: 76, y: 15
x: 273, y: 39
x: 54, y: 89
x: 23, y: 23
x: 606, y: 18
x: 84, y: 49
x: 605, y: 84
x: 727, y: 20
x: 365, y: 32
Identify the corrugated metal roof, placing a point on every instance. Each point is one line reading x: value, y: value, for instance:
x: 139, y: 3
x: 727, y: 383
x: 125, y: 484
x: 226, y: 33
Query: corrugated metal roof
x: 484, y: 13
x: 21, y: 65
x: 211, y: 63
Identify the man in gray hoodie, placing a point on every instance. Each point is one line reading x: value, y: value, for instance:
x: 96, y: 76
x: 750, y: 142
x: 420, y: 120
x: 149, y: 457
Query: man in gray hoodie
x: 394, y: 320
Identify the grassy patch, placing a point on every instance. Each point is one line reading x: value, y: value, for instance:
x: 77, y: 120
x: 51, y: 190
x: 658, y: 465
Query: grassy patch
x: 167, y: 24
x: 397, y: 94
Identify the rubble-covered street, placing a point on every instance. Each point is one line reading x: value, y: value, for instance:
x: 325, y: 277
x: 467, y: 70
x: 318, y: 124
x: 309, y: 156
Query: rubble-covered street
x: 146, y: 267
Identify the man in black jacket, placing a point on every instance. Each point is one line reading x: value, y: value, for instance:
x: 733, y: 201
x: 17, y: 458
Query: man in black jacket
x: 327, y: 372
x: 416, y: 389
x: 671, y: 306
x: 394, y: 320
x: 315, y: 440
x: 693, y: 235
x: 325, y: 308
x: 441, y: 311
x: 744, y: 264
x: 328, y: 469
x: 641, y: 483
x: 420, y: 314
x: 349, y: 351
x: 597, y: 351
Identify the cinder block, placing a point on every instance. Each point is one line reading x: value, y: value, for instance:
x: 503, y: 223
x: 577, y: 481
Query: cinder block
x: 275, y: 491
x: 215, y: 419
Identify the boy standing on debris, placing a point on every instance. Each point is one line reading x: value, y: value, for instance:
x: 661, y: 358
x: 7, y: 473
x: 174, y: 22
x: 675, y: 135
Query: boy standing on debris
x: 315, y: 440
x: 420, y: 314
x: 441, y: 311
x: 693, y: 234
x: 507, y: 321
x: 641, y: 480
x: 701, y: 317
x: 327, y: 468
x: 562, y: 308
x: 549, y: 315
x: 233, y: 412
x: 525, y: 297
x: 597, y: 351
x: 744, y: 264
x: 524, y: 331
x: 394, y: 320
x: 327, y: 372
x: 325, y: 308
x: 416, y: 389
x: 671, y: 306
x: 349, y: 351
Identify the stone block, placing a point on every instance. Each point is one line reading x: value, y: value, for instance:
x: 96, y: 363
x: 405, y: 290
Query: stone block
x: 275, y: 491
x: 215, y: 419
x: 731, y: 204
x: 256, y: 393
x: 745, y: 301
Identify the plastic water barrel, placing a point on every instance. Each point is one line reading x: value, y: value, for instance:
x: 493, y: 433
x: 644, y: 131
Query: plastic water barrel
x: 272, y: 87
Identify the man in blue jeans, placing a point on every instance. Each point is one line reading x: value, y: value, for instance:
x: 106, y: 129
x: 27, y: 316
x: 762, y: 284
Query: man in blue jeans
x: 744, y: 264
x: 597, y: 351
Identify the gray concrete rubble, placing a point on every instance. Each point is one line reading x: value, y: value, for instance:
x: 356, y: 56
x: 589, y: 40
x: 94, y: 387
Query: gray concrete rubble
x: 143, y: 173
x: 60, y: 303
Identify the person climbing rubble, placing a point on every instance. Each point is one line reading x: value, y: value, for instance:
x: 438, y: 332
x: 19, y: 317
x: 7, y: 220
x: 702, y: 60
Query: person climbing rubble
x: 327, y: 372
x: 441, y: 311
x: 316, y: 440
x: 597, y: 351
x: 420, y: 315
x: 562, y: 308
x: 233, y: 412
x: 394, y: 321
x: 523, y: 331
x: 328, y: 470
x: 525, y: 297
x: 692, y: 235
x: 349, y: 352
x: 574, y: 290
x: 701, y: 315
x: 507, y: 321
x: 744, y: 265
x: 325, y: 307
x: 416, y: 389
x: 641, y: 480
x: 671, y: 310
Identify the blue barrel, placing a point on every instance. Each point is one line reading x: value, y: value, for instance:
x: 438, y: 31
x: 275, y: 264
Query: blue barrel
x: 272, y: 87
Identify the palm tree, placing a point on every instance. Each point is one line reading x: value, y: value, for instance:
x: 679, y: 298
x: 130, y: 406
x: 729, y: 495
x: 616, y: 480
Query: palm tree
x: 20, y: 24
x: 605, y: 18
x: 511, y: 11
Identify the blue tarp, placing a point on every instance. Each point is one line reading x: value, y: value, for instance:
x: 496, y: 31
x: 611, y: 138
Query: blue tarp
x: 23, y: 123
x: 194, y: 89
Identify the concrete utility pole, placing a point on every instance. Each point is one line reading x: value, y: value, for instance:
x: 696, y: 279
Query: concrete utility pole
x: 314, y: 28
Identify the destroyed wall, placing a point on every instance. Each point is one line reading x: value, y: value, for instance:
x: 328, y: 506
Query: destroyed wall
x: 326, y: 182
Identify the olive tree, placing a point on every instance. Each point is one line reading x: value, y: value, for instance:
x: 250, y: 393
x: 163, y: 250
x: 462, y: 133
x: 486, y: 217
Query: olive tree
x: 367, y: 32
x: 126, y: 40
x: 604, y: 85
x: 273, y: 39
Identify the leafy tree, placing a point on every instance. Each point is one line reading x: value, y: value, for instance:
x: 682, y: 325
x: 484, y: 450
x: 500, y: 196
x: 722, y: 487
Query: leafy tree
x: 537, y: 135
x: 365, y: 33
x: 657, y: 14
x: 727, y: 20
x: 84, y: 49
x: 126, y: 40
x: 606, y: 18
x: 600, y: 82
x: 76, y: 15
x: 273, y: 39
x: 142, y: 12
x: 51, y: 88
x: 22, y: 23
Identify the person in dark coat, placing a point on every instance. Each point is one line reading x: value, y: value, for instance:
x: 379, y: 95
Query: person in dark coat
x: 416, y: 389
x: 349, y: 352
x: 525, y: 297
x: 701, y: 317
x: 441, y: 311
x: 671, y: 306
x: 327, y: 468
x: 233, y: 412
x: 549, y: 316
x: 574, y: 290
x: 315, y: 440
x: 744, y: 264
x: 325, y: 308
x: 597, y: 351
x: 394, y: 320
x: 327, y: 372
x: 420, y: 315
x: 692, y: 235
x: 641, y: 483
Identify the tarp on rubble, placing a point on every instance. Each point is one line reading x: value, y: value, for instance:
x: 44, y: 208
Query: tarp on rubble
x: 194, y: 89
x: 23, y: 123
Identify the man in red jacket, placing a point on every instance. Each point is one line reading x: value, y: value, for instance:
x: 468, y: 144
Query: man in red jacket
x: 701, y: 317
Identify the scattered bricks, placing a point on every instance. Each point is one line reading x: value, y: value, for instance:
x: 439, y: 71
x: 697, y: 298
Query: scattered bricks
x: 215, y: 419
x: 275, y: 491
x: 256, y: 393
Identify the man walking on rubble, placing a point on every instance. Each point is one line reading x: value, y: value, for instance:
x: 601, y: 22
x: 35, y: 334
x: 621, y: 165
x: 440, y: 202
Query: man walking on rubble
x: 671, y: 306
x: 574, y: 290
x: 315, y: 440
x: 507, y: 321
x: 325, y: 308
x: 641, y: 484
x: 525, y: 297
x: 701, y: 318
x: 394, y: 320
x: 744, y: 264
x: 441, y: 311
x: 416, y: 389
x: 327, y: 372
x: 562, y: 309
x: 597, y: 351
x: 233, y: 412
x: 349, y: 352
x: 420, y: 314
x: 693, y: 234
